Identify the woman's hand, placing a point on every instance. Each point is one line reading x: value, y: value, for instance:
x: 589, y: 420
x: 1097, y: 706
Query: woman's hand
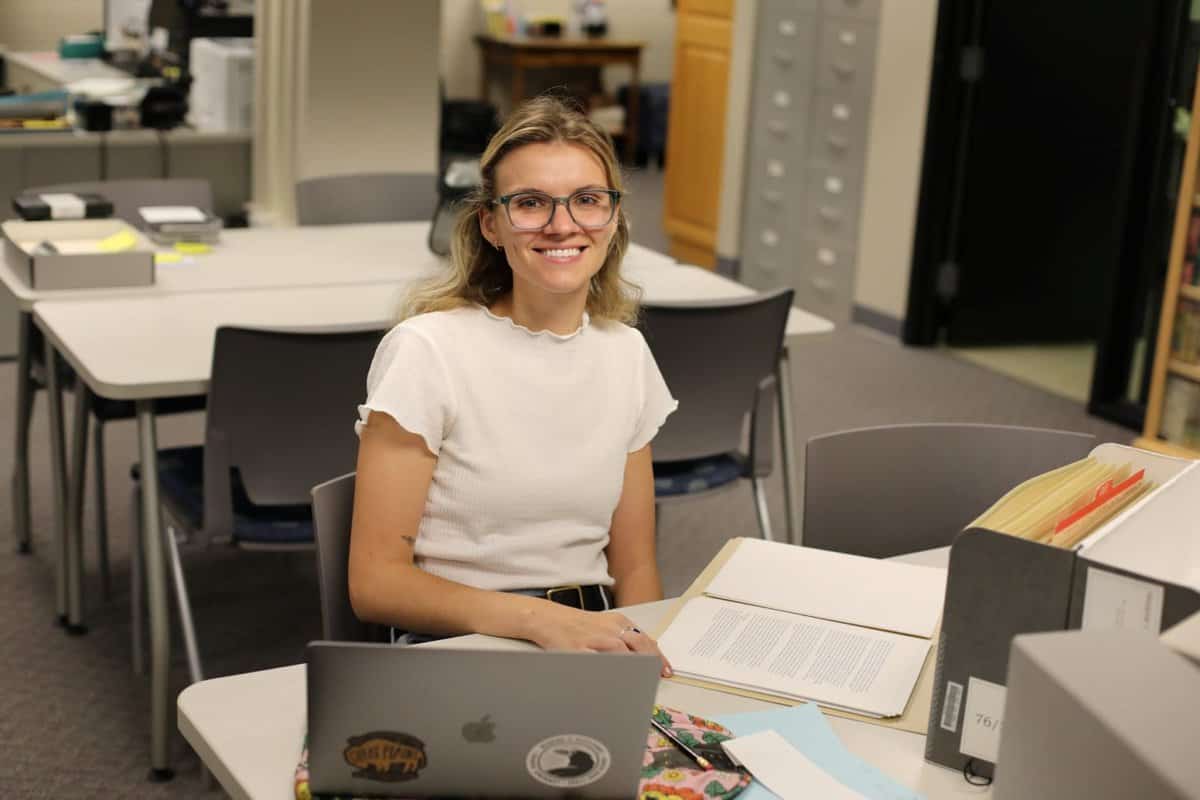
x: 559, y: 627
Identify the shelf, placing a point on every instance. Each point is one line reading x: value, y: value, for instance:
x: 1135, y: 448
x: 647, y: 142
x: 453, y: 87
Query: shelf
x: 1166, y: 448
x: 1190, y: 292
x: 1184, y: 368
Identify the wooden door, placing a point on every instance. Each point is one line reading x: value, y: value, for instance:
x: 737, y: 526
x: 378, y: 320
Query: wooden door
x: 696, y: 128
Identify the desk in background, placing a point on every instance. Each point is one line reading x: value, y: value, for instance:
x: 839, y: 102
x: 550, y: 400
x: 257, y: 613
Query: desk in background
x: 248, y: 728
x: 43, y: 70
x: 521, y: 54
x: 42, y: 159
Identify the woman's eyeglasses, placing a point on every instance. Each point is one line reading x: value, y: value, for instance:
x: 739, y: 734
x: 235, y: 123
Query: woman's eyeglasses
x: 589, y: 208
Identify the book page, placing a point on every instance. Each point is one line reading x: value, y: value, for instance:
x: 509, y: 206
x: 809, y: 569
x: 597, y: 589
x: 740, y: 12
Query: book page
x: 794, y: 656
x: 875, y: 593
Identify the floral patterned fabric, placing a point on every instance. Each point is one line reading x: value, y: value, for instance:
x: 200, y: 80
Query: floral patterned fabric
x: 667, y: 772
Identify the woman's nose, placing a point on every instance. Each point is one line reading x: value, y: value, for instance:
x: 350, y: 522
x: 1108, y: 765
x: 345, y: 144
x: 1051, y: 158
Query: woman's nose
x: 560, y: 220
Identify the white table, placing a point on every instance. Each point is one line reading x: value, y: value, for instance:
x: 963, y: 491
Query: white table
x: 248, y: 728
x: 245, y: 259
x: 151, y: 344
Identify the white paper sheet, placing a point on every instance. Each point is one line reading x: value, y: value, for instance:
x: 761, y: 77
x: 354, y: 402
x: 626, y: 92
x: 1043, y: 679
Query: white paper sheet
x: 884, y: 594
x: 159, y: 214
x: 1113, y: 601
x: 784, y: 770
x: 803, y: 658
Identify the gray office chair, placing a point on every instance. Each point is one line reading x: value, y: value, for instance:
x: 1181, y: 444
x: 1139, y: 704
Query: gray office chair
x: 127, y: 197
x: 333, y: 510
x: 897, y: 489
x: 382, y: 197
x: 280, y: 420
x: 718, y: 359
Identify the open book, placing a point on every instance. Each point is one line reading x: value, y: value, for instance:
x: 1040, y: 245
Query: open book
x: 800, y: 624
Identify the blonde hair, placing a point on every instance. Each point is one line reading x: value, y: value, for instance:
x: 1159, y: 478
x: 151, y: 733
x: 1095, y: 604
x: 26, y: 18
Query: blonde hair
x: 479, y: 274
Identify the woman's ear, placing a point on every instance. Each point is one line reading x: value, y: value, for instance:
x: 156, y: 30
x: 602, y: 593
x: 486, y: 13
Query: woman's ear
x: 487, y: 226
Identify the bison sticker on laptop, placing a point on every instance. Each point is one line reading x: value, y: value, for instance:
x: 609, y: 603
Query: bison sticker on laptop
x: 385, y: 756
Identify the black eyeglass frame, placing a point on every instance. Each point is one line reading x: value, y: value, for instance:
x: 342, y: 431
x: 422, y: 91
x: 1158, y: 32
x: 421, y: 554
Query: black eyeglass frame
x: 614, y: 194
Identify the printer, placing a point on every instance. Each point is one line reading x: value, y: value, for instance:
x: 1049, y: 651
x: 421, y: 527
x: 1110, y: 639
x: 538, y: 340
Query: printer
x: 222, y: 90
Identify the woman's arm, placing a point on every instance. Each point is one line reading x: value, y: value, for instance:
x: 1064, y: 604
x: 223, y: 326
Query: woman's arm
x: 395, y: 469
x: 632, y: 560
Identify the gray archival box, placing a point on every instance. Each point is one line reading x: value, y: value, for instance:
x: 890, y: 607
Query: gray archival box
x: 416, y: 721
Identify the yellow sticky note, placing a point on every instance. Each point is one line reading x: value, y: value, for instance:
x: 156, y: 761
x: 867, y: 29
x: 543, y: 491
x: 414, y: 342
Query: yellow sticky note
x: 193, y: 248
x: 118, y: 242
x: 168, y: 258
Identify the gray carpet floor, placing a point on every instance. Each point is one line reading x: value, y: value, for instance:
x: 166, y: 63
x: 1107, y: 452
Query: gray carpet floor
x: 73, y: 716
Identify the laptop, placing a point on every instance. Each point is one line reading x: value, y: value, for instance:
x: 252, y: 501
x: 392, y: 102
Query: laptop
x: 417, y: 722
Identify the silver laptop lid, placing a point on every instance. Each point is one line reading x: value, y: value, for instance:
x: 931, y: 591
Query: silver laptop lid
x: 415, y: 721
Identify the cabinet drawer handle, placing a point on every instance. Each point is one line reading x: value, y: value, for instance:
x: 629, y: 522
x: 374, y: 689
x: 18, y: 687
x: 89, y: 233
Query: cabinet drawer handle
x: 823, y: 285
x: 843, y: 71
x: 826, y: 256
x: 781, y: 99
x: 777, y: 127
x: 769, y: 237
x: 784, y: 57
x: 833, y: 184
x: 840, y: 112
x: 768, y: 266
x: 775, y: 168
x: 839, y: 143
x: 773, y: 197
x: 847, y: 37
x: 829, y: 214
x: 787, y: 27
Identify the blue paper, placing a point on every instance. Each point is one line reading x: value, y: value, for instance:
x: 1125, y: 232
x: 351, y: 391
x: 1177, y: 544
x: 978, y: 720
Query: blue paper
x: 806, y: 729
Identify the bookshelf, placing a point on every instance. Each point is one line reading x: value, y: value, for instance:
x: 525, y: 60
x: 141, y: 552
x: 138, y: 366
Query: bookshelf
x: 1173, y: 409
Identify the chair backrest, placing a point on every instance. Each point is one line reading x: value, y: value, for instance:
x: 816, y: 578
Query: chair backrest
x: 713, y: 355
x: 900, y: 488
x: 281, y: 410
x: 333, y: 510
x: 127, y: 196
x: 383, y: 197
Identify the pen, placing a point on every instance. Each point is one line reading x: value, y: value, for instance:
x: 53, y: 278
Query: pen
x: 675, y: 740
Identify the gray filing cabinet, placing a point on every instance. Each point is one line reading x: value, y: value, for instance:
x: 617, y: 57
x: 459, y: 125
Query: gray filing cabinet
x: 814, y: 64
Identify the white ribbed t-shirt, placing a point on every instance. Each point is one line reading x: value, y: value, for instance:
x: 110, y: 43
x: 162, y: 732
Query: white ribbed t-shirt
x: 531, y: 433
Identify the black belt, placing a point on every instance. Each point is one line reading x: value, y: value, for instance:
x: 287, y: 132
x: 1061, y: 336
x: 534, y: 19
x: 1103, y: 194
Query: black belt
x: 589, y: 598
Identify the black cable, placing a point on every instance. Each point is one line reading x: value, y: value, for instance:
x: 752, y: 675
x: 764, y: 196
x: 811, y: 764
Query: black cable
x: 163, y: 155
x: 103, y: 155
x: 972, y: 777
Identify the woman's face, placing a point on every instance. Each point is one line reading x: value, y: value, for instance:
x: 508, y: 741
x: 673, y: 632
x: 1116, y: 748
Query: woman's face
x: 560, y: 258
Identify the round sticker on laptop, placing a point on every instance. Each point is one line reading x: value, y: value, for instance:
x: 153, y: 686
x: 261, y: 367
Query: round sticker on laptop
x: 568, y: 761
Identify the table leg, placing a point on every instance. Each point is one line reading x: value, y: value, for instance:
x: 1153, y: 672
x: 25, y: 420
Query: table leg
x: 24, y: 407
x: 483, y: 75
x: 154, y: 569
x: 518, y: 84
x: 75, y: 487
x: 58, y: 479
x: 783, y: 374
x: 633, y: 114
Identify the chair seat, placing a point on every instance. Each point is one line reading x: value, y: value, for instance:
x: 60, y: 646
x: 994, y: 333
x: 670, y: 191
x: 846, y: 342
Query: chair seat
x: 673, y: 478
x: 181, y: 482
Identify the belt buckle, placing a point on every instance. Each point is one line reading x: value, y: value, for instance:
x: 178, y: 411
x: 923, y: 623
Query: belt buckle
x: 573, y: 588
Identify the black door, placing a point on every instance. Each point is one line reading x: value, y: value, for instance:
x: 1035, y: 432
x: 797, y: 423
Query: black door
x: 1031, y: 167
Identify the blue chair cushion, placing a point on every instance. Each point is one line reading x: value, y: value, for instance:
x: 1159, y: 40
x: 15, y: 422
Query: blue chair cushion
x: 695, y: 476
x: 181, y: 482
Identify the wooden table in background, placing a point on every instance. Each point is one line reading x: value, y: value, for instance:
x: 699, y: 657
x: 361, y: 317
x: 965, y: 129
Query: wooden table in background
x: 521, y: 53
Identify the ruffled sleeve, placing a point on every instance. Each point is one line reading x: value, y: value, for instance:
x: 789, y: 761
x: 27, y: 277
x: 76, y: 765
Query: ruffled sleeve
x: 409, y: 382
x: 656, y: 401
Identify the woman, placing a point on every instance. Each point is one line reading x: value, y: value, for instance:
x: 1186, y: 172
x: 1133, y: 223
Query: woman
x: 504, y: 471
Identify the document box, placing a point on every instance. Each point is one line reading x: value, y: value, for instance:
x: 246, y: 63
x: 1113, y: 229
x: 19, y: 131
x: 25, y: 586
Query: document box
x: 78, y: 254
